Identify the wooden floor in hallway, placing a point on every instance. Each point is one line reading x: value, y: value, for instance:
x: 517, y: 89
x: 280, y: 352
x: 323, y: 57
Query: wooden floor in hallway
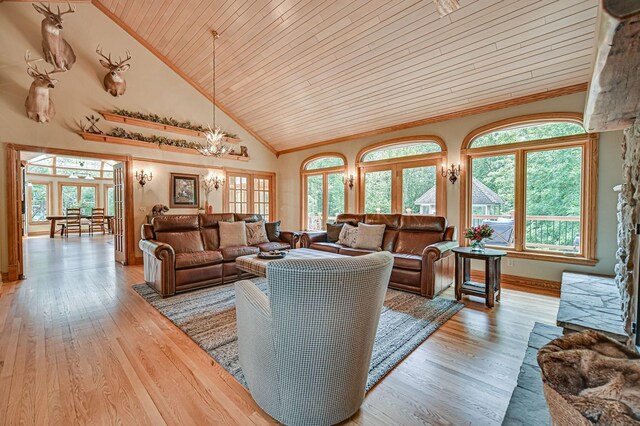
x: 79, y: 346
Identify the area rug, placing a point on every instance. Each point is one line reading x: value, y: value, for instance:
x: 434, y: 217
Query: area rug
x: 208, y: 316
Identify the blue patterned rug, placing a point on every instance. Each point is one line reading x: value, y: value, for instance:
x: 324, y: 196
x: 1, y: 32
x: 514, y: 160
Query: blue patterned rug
x: 208, y: 316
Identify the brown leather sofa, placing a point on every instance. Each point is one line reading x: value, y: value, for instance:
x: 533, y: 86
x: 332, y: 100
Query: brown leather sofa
x: 421, y: 246
x: 182, y: 252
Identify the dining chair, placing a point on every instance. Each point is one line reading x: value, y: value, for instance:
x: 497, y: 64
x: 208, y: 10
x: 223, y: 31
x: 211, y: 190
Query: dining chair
x: 97, y: 220
x: 73, y: 221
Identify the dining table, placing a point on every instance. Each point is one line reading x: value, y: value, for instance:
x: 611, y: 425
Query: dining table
x: 54, y: 218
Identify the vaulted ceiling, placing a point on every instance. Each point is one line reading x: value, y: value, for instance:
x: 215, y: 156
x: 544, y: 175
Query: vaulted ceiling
x: 299, y: 72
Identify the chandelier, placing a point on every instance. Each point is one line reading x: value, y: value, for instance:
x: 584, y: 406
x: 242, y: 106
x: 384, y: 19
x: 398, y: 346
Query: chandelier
x: 213, y: 145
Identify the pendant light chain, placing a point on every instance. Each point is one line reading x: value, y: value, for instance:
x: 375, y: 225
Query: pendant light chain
x: 214, y: 137
x: 213, y: 74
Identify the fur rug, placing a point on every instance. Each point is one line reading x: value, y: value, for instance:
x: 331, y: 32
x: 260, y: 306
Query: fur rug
x: 597, y: 376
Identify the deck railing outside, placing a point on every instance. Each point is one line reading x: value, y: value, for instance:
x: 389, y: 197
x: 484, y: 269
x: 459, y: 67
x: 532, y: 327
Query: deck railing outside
x: 557, y: 233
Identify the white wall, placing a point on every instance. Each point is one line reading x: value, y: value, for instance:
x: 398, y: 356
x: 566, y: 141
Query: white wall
x: 152, y: 87
x: 453, y: 132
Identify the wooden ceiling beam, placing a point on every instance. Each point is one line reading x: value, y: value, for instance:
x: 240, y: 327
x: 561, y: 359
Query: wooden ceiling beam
x: 621, y: 9
x: 613, y: 101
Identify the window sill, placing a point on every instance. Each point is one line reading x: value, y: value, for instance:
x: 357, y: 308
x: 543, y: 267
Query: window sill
x: 558, y: 258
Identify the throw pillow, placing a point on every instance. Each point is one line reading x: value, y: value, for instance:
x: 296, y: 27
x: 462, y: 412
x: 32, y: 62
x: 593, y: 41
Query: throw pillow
x: 232, y: 234
x: 348, y: 235
x: 370, y: 237
x: 256, y: 233
x: 333, y: 232
x: 273, y: 231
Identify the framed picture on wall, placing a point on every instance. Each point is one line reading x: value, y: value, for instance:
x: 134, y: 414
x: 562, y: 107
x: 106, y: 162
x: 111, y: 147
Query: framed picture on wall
x: 184, y: 191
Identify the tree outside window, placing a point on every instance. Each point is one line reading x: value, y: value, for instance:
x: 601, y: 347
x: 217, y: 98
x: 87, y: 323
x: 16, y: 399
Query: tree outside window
x: 549, y: 171
x: 39, y: 202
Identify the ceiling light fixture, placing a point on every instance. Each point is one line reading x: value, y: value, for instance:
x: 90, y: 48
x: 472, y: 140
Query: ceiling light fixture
x: 213, y: 145
x: 445, y: 7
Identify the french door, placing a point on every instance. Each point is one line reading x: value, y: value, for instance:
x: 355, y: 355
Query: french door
x: 325, y: 198
x: 250, y: 193
x: 414, y: 187
x: 119, y: 240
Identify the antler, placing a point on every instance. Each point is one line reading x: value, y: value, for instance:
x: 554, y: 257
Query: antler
x: 30, y: 64
x: 71, y: 10
x: 42, y: 9
x: 128, y: 58
x: 99, y: 52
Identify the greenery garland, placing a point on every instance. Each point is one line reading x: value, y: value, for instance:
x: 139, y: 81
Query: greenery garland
x: 119, y: 132
x: 155, y: 118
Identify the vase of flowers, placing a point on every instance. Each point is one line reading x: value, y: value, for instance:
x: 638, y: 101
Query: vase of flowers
x: 477, y: 236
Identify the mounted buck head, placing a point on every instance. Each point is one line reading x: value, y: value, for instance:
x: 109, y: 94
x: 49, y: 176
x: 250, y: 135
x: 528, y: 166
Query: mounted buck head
x: 114, y: 81
x: 52, y: 19
x: 56, y: 49
x: 38, y: 104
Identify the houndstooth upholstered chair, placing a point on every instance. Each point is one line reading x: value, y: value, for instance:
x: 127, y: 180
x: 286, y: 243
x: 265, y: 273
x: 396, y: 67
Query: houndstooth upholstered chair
x: 306, y: 349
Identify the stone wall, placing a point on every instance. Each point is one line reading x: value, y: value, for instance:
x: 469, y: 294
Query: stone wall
x: 628, y: 217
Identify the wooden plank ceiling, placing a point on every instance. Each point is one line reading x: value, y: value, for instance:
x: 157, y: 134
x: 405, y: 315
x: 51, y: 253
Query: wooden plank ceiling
x: 306, y: 71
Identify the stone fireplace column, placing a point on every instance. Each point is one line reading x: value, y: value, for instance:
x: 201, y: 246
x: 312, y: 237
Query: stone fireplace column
x: 627, y: 268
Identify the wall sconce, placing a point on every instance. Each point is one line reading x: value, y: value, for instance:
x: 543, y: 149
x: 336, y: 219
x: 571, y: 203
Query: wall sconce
x: 348, y: 181
x: 217, y: 182
x: 453, y: 172
x: 211, y: 182
x: 143, y: 178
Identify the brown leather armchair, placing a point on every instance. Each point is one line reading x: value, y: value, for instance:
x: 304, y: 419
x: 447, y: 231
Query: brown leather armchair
x: 182, y: 252
x: 421, y: 246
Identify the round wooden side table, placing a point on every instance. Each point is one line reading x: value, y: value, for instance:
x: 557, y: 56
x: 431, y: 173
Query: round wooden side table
x: 490, y: 290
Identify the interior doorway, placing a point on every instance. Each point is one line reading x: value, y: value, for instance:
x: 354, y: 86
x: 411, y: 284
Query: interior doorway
x: 68, y: 195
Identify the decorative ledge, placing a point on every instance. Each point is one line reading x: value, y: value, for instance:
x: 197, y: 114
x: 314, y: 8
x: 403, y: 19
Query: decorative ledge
x: 95, y: 137
x: 590, y: 302
x: 528, y: 405
x: 117, y: 118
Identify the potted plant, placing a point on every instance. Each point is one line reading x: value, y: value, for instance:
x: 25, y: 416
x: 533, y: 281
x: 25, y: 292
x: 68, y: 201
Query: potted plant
x: 477, y: 236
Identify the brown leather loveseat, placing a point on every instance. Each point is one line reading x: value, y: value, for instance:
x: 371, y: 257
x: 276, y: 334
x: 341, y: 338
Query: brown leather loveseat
x: 182, y: 252
x: 421, y: 246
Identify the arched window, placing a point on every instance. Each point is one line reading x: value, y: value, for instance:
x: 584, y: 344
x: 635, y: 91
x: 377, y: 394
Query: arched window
x: 533, y: 179
x: 527, y: 132
x: 406, y: 149
x: 402, y: 176
x: 323, y: 190
x: 324, y: 163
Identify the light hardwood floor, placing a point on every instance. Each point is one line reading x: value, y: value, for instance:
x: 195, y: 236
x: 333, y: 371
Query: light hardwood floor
x: 79, y: 346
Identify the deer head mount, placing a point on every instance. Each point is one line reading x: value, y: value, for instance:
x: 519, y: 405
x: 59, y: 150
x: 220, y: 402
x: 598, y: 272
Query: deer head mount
x: 114, y: 81
x: 56, y: 50
x: 39, y: 105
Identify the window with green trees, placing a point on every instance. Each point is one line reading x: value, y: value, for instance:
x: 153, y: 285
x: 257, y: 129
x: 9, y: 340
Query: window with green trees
x: 402, y: 150
x: 78, y: 195
x: 402, y: 177
x: 527, y: 132
x: 324, y: 195
x: 537, y: 195
x: 39, y: 197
